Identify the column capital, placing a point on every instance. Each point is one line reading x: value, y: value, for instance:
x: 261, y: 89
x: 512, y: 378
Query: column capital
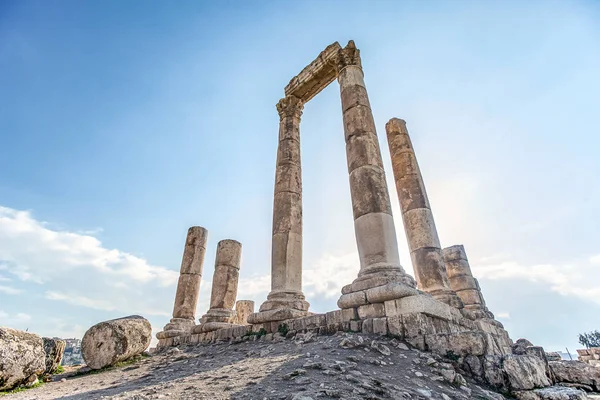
x: 347, y: 56
x: 290, y: 106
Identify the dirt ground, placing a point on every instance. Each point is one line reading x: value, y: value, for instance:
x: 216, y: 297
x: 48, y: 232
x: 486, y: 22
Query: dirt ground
x: 340, y: 366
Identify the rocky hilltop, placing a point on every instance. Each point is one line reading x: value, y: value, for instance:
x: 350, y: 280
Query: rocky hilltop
x: 344, y: 365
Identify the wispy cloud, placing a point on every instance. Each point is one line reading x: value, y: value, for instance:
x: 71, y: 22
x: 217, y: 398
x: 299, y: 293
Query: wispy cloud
x: 9, y: 290
x: 578, y: 279
x: 77, y: 269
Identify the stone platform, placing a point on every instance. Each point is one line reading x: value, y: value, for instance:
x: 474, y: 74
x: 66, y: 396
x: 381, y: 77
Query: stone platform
x: 421, y: 321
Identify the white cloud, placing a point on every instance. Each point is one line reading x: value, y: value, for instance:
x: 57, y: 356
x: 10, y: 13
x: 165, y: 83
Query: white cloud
x: 78, y: 300
x: 503, y: 315
x: 9, y: 290
x: 328, y: 274
x: 577, y: 280
x: 4, y: 279
x: 76, y: 269
x: 29, y: 246
x: 13, y: 320
x: 595, y: 259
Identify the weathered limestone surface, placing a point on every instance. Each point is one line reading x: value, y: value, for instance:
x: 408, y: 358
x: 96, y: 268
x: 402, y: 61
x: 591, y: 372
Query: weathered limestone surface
x: 188, y: 286
x: 576, y: 372
x: 109, y: 342
x: 525, y: 372
x: 224, y: 287
x: 423, y: 240
x: 54, y: 349
x: 243, y: 309
x: 552, y: 393
x: 463, y: 283
x: 22, y: 357
x: 286, y: 299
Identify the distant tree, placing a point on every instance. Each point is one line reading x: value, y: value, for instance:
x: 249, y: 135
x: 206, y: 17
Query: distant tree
x: 590, y: 339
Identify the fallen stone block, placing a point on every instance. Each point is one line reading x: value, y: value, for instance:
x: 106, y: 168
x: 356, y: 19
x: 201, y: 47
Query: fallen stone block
x: 576, y: 372
x: 116, y: 340
x: 54, y: 349
x: 22, y: 357
x: 525, y: 372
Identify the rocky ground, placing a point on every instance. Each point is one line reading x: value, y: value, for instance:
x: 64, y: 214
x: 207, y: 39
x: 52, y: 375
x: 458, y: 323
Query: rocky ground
x: 346, y: 366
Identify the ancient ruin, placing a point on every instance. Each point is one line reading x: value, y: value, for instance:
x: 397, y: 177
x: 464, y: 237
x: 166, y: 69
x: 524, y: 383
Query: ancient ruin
x: 442, y: 312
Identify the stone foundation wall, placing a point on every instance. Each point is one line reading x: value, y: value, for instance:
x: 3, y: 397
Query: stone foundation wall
x: 427, y: 325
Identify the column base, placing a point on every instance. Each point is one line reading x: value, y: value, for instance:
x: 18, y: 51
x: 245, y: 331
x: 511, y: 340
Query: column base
x: 377, y: 284
x: 212, y: 326
x: 281, y: 305
x: 176, y: 327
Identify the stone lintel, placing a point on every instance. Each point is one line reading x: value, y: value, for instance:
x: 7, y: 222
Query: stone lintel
x: 212, y: 326
x: 315, y: 76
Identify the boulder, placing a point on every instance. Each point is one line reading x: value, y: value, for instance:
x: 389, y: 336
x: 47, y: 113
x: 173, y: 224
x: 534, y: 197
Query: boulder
x: 22, y: 357
x: 54, y: 349
x: 576, y: 372
x: 109, y: 342
x: 553, y: 356
x: 520, y: 346
x: 525, y: 372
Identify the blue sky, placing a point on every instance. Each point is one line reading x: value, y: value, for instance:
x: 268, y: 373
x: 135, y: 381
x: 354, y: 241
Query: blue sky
x: 124, y: 123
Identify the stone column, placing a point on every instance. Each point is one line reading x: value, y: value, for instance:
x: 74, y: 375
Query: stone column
x: 286, y: 299
x: 224, y: 287
x: 423, y: 241
x: 188, y: 286
x: 373, y: 222
x: 464, y: 284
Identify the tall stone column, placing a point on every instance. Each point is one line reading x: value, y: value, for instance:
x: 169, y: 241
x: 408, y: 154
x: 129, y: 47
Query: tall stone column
x: 464, y: 284
x: 286, y: 299
x: 188, y: 286
x: 224, y: 287
x: 423, y: 241
x: 373, y: 222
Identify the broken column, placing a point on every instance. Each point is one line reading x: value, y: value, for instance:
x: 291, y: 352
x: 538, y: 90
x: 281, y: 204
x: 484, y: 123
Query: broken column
x: 423, y: 241
x: 286, y: 299
x: 188, y: 286
x: 224, y: 287
x: 464, y: 284
x: 373, y: 222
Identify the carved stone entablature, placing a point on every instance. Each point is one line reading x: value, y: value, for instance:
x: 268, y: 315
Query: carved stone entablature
x: 290, y: 106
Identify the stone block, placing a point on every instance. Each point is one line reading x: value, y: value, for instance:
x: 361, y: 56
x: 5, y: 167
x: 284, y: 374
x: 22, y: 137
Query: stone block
x: 299, y: 324
x: 461, y: 344
x: 356, y: 326
x: 371, y: 311
x: 525, y: 372
x: 380, y: 326
x: 395, y: 327
x: 194, y: 339
x: 316, y: 321
x: 349, y: 314
x: 334, y: 317
x: 367, y: 326
x: 426, y: 305
x: 417, y: 324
